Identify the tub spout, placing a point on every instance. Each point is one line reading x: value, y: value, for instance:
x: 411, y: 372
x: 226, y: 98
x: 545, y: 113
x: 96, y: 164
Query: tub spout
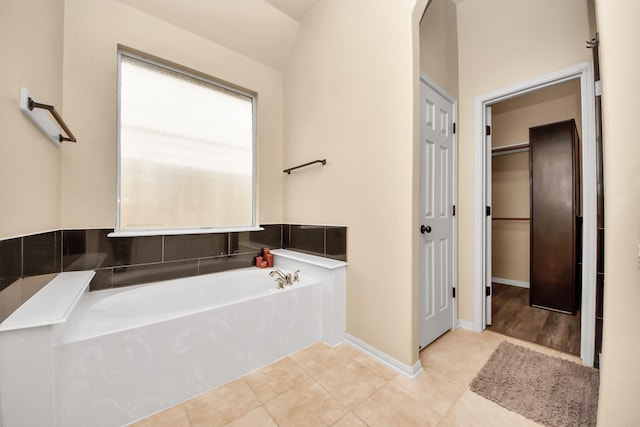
x: 283, y: 279
x: 279, y: 273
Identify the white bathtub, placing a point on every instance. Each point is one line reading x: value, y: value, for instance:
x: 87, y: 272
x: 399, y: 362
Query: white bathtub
x: 74, y: 358
x: 128, y: 353
x: 115, y: 310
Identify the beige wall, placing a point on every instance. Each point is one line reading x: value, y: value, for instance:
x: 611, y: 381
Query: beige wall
x: 351, y: 94
x: 439, y: 44
x: 511, y: 121
x: 93, y: 30
x: 349, y: 97
x: 501, y: 43
x: 31, y: 51
x: 510, y: 199
x: 620, y: 67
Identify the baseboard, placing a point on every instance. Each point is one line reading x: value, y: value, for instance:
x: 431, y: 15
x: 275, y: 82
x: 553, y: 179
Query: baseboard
x: 510, y: 282
x: 406, y: 370
x: 464, y: 324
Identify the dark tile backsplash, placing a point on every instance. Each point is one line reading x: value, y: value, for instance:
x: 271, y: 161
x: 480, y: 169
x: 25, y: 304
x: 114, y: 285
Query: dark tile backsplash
x: 253, y: 241
x: 138, y: 274
x: 336, y: 243
x: 91, y: 249
x: 224, y: 263
x: 188, y: 246
x: 306, y: 238
x: 325, y: 241
x: 41, y: 254
x: 125, y: 261
x: 103, y: 279
x: 10, y: 261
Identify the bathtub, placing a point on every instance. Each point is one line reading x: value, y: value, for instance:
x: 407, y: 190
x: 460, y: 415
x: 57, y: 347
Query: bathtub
x: 124, y: 354
x: 111, y: 311
x: 129, y: 353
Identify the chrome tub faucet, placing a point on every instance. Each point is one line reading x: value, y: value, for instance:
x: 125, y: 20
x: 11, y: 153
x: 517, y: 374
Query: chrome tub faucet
x: 285, y: 279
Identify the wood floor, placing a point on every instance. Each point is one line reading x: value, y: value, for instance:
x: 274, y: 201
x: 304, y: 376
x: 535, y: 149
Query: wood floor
x: 512, y: 316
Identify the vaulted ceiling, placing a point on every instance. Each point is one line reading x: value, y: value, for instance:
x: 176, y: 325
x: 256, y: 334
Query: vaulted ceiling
x: 263, y: 30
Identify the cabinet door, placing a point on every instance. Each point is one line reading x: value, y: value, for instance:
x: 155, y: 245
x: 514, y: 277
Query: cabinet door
x: 553, y: 216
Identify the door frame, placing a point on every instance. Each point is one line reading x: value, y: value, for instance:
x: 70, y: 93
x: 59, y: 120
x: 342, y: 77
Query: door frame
x: 583, y: 72
x: 454, y: 180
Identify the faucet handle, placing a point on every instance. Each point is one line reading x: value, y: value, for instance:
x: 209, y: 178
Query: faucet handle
x: 296, y: 276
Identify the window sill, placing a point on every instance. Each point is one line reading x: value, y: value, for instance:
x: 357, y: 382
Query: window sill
x: 173, y: 232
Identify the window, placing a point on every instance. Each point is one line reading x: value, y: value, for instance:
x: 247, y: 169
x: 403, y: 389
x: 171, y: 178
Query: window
x: 186, y: 152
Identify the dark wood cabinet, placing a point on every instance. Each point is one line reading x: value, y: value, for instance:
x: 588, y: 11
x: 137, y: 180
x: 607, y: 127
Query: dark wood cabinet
x: 555, y: 216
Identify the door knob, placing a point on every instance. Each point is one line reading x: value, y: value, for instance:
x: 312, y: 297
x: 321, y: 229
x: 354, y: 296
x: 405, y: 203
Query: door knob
x: 424, y: 229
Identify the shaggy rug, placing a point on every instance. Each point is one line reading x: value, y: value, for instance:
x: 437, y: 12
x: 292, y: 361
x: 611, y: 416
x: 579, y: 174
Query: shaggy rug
x: 545, y: 389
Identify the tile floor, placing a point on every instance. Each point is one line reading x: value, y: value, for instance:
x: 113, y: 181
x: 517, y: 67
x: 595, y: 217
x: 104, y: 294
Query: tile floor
x: 342, y: 387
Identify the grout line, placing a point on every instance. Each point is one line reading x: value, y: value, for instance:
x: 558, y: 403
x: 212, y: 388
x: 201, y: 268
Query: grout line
x: 22, y: 257
x: 324, y: 241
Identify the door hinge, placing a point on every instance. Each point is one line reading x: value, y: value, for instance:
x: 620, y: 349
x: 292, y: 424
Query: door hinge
x: 487, y: 291
x: 488, y: 130
x: 454, y: 127
x: 454, y: 292
x: 488, y: 210
x: 453, y: 211
x: 598, y: 88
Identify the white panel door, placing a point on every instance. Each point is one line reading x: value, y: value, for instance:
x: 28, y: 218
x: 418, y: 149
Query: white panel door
x: 487, y: 220
x: 436, y: 228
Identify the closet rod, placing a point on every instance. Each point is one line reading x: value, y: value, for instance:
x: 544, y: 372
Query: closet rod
x: 510, y: 149
x: 509, y: 219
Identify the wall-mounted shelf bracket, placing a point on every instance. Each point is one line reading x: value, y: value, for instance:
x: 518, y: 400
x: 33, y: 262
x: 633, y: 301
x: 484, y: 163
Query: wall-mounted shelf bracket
x: 43, y: 116
x: 288, y: 171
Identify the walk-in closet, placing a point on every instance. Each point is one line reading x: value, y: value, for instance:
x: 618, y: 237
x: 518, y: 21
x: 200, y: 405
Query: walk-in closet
x: 536, y: 217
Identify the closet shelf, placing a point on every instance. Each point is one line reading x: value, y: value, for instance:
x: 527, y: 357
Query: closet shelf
x: 509, y: 219
x: 510, y: 149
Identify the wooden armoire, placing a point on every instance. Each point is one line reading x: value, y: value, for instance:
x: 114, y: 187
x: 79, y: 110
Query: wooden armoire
x: 555, y: 217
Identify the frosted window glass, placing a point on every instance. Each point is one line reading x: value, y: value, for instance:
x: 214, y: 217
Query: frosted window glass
x: 186, y: 151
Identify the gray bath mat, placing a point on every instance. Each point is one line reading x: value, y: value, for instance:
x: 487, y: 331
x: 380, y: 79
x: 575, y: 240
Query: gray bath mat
x: 545, y: 389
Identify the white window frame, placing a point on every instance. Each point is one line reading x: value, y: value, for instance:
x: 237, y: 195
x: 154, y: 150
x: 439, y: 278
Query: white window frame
x: 118, y: 232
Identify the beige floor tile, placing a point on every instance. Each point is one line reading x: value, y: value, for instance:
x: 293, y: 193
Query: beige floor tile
x: 447, y: 423
x: 349, y: 420
x: 473, y: 345
x: 472, y: 410
x: 275, y: 379
x: 346, y: 351
x: 455, y: 364
x: 172, y: 417
x: 319, y: 384
x: 222, y: 405
x: 305, y: 405
x: 349, y: 382
x: 259, y: 417
x: 315, y: 358
x: 391, y: 406
x: 433, y: 388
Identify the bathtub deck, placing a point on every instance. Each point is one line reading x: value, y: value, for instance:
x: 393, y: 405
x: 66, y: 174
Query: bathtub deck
x: 52, y: 304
